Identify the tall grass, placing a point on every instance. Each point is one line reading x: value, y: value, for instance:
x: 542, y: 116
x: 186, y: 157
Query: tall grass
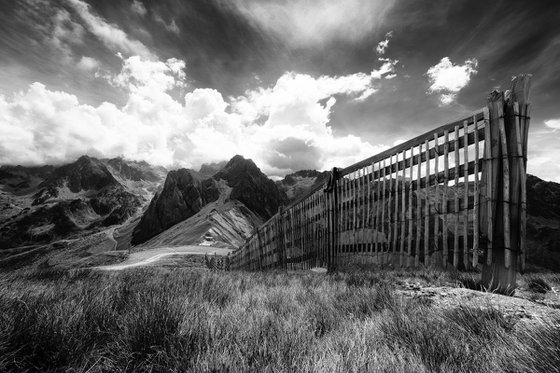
x: 176, y: 320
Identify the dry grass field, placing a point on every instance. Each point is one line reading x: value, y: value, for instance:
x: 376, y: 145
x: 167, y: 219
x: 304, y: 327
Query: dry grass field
x: 180, y: 320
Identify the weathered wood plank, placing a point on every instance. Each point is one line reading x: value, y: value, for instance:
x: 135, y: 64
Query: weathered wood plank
x: 437, y: 248
x: 520, y: 131
x: 418, y: 211
x: 403, y: 215
x: 466, y: 261
x: 456, y: 199
x: 409, y: 220
x: 391, y: 213
x: 365, y: 210
x: 445, y: 196
x: 476, y: 198
x: 371, y: 209
x: 396, y: 217
x: 383, y: 248
x: 489, y: 179
x: 506, y: 197
x: 427, y: 212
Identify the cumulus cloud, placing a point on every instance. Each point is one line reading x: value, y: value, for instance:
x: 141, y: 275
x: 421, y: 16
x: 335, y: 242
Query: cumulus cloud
x: 308, y: 23
x: 384, y: 44
x: 553, y: 123
x: 138, y: 8
x: 111, y: 35
x: 283, y: 128
x: 448, y: 79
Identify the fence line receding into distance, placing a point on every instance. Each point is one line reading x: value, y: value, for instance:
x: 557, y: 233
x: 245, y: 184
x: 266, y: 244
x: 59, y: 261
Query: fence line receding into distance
x: 454, y: 196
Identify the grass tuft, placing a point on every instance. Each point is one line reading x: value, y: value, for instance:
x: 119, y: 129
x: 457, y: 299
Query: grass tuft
x: 538, y: 284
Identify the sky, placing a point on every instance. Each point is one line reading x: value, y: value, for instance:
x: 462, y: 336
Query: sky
x: 307, y: 84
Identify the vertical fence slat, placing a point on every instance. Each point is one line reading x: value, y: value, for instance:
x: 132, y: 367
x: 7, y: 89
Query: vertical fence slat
x: 383, y: 245
x: 395, y: 241
x: 489, y: 186
x: 427, y: 208
x: 390, y: 210
x: 372, y: 207
x: 403, y: 211
x: 445, y: 196
x: 436, y: 203
x: 353, y: 196
x: 365, y: 213
x: 505, y: 173
x: 523, y: 199
x: 476, y: 195
x: 466, y: 261
x: 418, y: 207
x: 409, y: 219
x: 456, y: 202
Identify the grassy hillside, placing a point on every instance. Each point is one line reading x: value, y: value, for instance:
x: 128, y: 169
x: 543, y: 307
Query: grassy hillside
x: 178, y: 320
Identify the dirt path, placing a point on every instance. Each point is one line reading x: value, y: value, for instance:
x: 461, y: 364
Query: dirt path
x: 150, y: 256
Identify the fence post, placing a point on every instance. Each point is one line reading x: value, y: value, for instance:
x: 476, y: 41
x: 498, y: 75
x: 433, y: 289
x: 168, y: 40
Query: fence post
x: 332, y: 223
x: 508, y: 150
x: 280, y: 239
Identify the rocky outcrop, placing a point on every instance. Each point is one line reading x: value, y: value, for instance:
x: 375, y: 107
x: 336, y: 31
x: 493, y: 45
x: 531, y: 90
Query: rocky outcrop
x: 182, y: 196
x: 297, y: 184
x: 251, y: 187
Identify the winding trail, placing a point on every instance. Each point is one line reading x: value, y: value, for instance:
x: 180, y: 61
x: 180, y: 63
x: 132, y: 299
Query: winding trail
x: 150, y: 256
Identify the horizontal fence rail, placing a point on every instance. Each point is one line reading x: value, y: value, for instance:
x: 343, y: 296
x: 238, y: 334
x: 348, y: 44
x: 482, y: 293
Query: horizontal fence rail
x: 440, y: 199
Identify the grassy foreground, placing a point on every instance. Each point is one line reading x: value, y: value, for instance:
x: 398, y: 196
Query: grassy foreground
x: 184, y: 320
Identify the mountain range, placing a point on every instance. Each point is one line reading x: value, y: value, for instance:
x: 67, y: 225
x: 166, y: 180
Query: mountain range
x: 92, y: 208
x: 44, y: 204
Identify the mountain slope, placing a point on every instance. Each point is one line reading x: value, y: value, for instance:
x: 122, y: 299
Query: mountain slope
x: 543, y: 223
x: 139, y: 178
x: 43, y: 204
x: 251, y: 187
x: 182, y: 196
x: 220, y: 223
x: 223, y: 209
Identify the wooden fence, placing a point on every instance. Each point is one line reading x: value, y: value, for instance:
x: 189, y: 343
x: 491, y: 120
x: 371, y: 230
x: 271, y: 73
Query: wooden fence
x: 452, y: 197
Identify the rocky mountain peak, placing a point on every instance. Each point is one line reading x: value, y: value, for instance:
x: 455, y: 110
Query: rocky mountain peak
x: 251, y: 187
x: 85, y: 174
x: 182, y: 196
x: 136, y: 170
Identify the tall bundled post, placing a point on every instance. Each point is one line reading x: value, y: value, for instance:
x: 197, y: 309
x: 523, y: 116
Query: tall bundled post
x: 507, y: 159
